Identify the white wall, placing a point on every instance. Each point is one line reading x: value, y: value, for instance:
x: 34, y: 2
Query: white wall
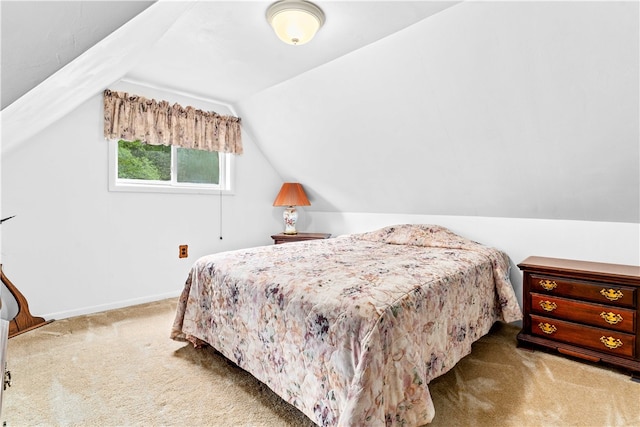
x: 74, y: 247
x: 617, y: 243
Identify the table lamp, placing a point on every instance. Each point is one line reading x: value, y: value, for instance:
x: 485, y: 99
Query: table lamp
x: 291, y: 195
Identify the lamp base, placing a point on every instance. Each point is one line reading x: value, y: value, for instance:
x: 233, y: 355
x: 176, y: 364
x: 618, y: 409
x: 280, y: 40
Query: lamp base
x: 290, y: 216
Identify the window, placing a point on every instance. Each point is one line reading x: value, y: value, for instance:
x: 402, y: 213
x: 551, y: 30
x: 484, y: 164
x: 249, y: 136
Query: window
x: 135, y: 166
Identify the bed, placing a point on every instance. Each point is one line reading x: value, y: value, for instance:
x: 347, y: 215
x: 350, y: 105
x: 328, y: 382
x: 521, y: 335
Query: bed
x: 350, y: 330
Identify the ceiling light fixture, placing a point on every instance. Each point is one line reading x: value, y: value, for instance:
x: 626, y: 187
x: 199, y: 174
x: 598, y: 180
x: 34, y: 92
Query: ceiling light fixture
x: 295, y: 21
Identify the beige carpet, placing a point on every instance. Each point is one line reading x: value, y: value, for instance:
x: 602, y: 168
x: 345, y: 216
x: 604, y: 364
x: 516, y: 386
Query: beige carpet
x: 120, y: 368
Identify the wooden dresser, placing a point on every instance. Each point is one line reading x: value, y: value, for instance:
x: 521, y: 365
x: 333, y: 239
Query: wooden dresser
x: 583, y: 309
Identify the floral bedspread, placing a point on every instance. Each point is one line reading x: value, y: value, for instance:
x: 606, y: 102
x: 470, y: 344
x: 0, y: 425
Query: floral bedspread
x: 350, y: 330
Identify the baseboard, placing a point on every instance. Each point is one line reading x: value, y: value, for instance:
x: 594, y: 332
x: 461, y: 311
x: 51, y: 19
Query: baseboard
x: 111, y: 306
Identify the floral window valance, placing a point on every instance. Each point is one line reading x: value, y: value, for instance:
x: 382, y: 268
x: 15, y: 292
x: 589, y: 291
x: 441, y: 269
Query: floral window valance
x: 133, y: 118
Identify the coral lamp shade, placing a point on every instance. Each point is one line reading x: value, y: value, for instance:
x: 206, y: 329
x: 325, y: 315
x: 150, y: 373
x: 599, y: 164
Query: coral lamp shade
x: 291, y: 194
x: 295, y: 21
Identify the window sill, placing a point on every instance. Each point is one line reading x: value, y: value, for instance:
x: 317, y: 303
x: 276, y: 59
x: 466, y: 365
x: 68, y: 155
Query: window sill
x: 141, y: 188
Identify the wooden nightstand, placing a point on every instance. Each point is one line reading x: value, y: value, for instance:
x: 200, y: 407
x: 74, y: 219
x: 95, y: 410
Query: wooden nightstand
x: 286, y: 238
x: 583, y: 309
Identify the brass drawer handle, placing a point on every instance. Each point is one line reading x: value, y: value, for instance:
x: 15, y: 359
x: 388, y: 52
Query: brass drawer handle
x: 548, y: 284
x: 547, y: 328
x: 611, y: 294
x: 548, y: 305
x: 611, y: 342
x: 611, y: 318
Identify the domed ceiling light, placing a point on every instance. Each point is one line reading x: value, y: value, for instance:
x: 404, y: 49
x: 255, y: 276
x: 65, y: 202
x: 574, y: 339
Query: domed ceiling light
x: 295, y: 21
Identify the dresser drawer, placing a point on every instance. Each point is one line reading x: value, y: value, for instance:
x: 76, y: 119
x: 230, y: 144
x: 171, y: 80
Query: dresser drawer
x: 616, y: 318
x: 602, y: 340
x: 609, y: 294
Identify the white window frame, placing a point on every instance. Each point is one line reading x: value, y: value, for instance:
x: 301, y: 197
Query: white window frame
x: 226, y: 164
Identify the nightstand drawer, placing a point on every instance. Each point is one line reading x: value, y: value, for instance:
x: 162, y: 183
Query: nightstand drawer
x: 585, y: 336
x: 609, y: 294
x: 619, y: 319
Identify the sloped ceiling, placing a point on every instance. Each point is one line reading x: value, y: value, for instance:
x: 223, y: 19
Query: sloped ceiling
x: 221, y: 50
x: 498, y: 109
x: 227, y: 50
x: 40, y: 37
x: 507, y: 109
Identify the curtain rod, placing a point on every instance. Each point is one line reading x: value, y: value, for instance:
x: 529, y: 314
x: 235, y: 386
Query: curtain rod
x: 181, y: 93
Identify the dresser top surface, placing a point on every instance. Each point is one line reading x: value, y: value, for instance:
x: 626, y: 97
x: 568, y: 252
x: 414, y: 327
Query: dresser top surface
x: 577, y: 266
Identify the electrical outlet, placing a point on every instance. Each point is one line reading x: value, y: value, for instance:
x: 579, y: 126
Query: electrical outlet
x: 183, y: 251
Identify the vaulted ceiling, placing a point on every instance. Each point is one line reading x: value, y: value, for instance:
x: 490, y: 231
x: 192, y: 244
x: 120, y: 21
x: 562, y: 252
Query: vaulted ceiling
x: 219, y: 49
x: 460, y: 108
x: 41, y: 37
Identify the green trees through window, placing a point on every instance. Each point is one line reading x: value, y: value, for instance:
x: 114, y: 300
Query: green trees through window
x: 142, y: 161
x: 138, y: 161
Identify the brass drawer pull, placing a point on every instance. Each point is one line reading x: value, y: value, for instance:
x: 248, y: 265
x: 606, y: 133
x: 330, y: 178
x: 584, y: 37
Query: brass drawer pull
x: 611, y: 294
x: 548, y: 305
x: 611, y: 318
x: 548, y: 284
x: 611, y: 342
x: 547, y: 328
